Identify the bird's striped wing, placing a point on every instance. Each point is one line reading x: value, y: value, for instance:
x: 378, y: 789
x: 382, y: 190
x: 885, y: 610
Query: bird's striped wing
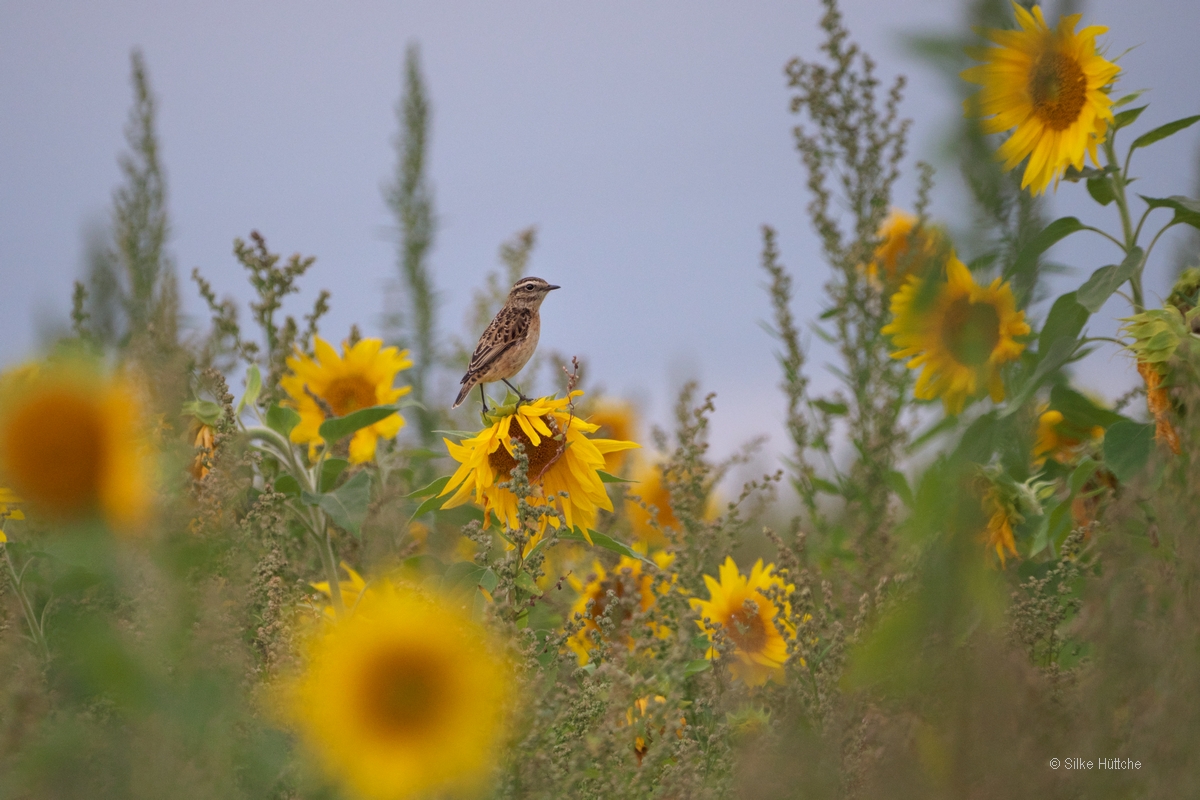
x: 509, y: 328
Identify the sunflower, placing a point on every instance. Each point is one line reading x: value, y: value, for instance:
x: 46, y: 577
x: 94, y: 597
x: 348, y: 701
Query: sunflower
x: 748, y: 619
x: 71, y: 445
x: 404, y: 697
x: 999, y: 532
x: 202, y: 442
x: 1059, y: 439
x: 561, y: 459
x: 617, y: 420
x: 1048, y: 85
x: 905, y: 248
x: 651, y: 490
x: 628, y: 577
x: 8, y: 499
x: 960, y: 332
x: 1158, y: 403
x: 641, y: 743
x: 333, y: 386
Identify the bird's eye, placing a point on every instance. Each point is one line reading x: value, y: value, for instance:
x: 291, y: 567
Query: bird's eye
x: 529, y: 288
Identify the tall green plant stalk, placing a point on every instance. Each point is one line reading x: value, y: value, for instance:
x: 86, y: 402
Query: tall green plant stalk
x: 134, y: 294
x: 851, y: 148
x: 411, y: 201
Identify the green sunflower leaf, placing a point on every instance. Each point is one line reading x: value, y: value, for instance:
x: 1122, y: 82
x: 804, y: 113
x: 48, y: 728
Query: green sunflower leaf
x: 463, y: 576
x: 1163, y: 131
x: 432, y: 488
x: 605, y: 541
x: 1127, y: 117
x: 1105, y: 281
x: 332, y: 430
x: 1079, y: 410
x: 525, y: 582
x: 1129, y: 98
x: 1186, y: 209
x: 1127, y: 448
x: 1025, y: 263
x: 288, y: 485
x: 347, y: 505
x: 206, y: 411
x: 696, y: 667
x: 1065, y: 320
x: 489, y: 580
x: 1100, y: 188
x: 282, y: 419
x: 1051, y: 362
x: 431, y: 504
x: 253, y: 389
x: 331, y: 470
x: 607, y: 478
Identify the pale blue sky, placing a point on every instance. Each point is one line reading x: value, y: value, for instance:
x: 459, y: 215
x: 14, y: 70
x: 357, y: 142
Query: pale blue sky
x: 648, y: 141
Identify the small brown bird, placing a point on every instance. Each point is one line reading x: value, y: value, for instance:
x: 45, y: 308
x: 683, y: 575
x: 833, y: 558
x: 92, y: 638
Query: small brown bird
x: 509, y: 341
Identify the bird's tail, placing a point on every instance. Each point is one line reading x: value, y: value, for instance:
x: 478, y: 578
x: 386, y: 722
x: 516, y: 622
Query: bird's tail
x: 468, y: 383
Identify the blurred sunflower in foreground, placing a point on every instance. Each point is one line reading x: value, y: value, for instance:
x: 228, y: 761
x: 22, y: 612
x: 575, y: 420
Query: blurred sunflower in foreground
x: 71, y: 445
x: 333, y: 386
x: 402, y: 698
x: 628, y: 579
x: 740, y: 608
x: 561, y: 459
x: 1050, y: 86
x: 959, y: 332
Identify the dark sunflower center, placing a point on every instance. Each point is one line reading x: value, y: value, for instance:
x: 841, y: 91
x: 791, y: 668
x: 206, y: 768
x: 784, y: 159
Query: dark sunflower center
x: 541, y: 458
x: 600, y: 598
x: 348, y: 394
x: 403, y: 693
x: 1058, y: 88
x: 972, y: 331
x: 747, y: 630
x: 54, y: 449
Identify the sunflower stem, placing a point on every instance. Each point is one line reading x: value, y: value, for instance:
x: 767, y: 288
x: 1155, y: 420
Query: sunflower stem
x: 1119, y: 179
x: 330, y: 562
x: 36, y: 631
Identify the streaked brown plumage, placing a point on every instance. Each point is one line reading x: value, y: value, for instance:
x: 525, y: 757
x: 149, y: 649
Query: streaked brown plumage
x: 509, y: 340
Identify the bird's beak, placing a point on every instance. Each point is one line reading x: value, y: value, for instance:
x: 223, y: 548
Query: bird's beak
x: 552, y: 287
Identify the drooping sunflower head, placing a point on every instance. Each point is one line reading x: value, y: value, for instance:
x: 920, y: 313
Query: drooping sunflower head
x: 630, y: 584
x: 958, y: 333
x: 1050, y: 88
x: 562, y: 459
x: 72, y: 445
x: 999, y: 532
x: 330, y: 385
x: 402, y: 698
x: 745, y: 612
x: 905, y: 248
